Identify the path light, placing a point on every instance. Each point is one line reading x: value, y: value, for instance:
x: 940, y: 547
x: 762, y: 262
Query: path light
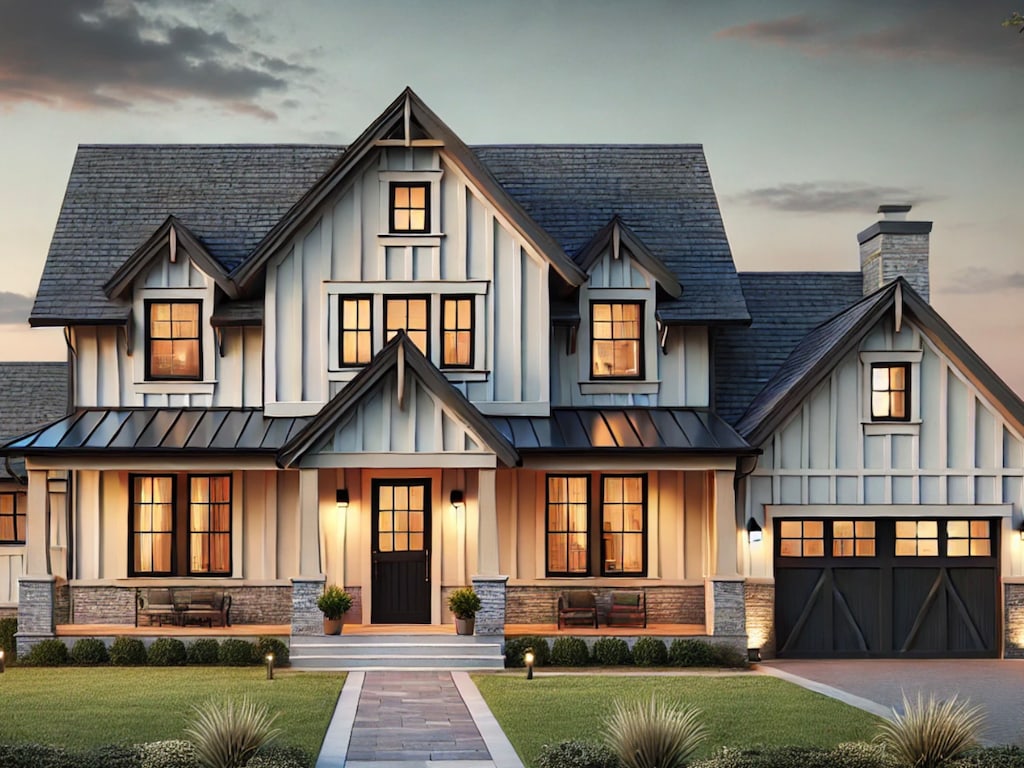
x: 270, y: 666
x: 528, y: 658
x: 753, y: 655
x: 753, y: 531
x: 2, y: 664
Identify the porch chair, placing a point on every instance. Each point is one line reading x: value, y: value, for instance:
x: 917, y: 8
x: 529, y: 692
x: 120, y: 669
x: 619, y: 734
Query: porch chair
x: 157, y: 605
x: 628, y: 609
x: 575, y: 606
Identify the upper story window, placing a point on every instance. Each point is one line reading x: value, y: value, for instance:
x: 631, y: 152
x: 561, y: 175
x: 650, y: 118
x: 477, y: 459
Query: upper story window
x: 12, y: 520
x: 410, y: 314
x: 457, y: 332
x: 173, y: 349
x: 409, y: 207
x: 616, y: 333
x: 356, y: 337
x: 890, y: 392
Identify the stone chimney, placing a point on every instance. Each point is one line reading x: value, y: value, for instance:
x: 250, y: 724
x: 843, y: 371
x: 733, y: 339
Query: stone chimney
x: 893, y: 246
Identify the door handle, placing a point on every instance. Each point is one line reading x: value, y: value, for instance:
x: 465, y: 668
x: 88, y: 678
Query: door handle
x: 426, y: 570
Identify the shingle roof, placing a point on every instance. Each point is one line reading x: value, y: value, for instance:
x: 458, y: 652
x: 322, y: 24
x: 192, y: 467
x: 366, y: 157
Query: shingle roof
x: 30, y: 394
x: 785, y: 307
x: 231, y: 196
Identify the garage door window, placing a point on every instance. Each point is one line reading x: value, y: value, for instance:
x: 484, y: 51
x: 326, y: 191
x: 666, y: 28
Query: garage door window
x: 802, y: 538
x: 968, y: 538
x: 853, y: 538
x: 917, y: 538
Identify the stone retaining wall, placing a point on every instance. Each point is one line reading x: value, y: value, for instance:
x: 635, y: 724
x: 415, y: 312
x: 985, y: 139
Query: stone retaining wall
x: 665, y: 605
x: 1013, y: 621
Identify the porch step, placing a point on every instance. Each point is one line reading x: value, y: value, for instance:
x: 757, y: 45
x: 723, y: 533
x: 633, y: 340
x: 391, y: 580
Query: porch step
x: 395, y: 652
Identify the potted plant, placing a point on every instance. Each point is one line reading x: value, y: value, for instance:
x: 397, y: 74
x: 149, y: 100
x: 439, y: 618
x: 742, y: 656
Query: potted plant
x: 333, y: 603
x: 464, y: 603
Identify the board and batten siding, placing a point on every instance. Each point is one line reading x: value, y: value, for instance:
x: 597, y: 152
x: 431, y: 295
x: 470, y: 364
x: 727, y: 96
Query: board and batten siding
x: 12, y: 556
x: 344, y: 249
x: 106, y: 376
x: 956, y: 451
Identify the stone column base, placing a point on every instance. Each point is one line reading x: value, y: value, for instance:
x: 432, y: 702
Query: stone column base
x: 36, y: 606
x: 307, y: 620
x: 490, y: 619
x: 725, y: 607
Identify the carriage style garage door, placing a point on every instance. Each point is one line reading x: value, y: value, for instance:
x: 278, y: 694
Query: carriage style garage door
x: 884, y: 587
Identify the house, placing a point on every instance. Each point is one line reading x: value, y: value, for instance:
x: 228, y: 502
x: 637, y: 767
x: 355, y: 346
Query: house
x: 408, y: 365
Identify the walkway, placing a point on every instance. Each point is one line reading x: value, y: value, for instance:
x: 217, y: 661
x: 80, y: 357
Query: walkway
x: 414, y: 720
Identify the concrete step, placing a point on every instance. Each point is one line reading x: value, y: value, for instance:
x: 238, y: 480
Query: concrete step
x: 425, y: 649
x: 395, y: 661
x: 379, y: 652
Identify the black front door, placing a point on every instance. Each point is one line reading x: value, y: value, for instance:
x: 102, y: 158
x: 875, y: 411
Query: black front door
x: 884, y: 587
x: 400, y: 552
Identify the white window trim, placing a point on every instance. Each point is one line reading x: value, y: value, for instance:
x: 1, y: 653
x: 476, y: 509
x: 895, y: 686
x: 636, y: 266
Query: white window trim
x: 208, y: 347
x: 648, y: 383
x: 431, y: 237
x: 912, y: 426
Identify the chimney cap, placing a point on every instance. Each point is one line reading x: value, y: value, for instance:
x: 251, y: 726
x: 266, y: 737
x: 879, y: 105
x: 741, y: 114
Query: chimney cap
x: 895, y: 208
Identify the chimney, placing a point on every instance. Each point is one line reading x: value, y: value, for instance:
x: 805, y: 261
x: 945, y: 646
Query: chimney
x: 892, y: 247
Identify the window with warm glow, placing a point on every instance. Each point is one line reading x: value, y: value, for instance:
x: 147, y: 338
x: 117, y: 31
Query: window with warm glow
x: 411, y: 315
x: 356, y: 331
x: 410, y: 207
x: 968, y: 538
x: 457, y: 332
x: 802, y: 538
x: 12, y: 519
x: 890, y: 392
x: 853, y: 538
x: 172, y: 340
x: 623, y: 518
x: 209, y: 524
x: 568, y: 506
x: 152, y: 519
x: 917, y: 538
x: 615, y: 340
x: 401, y: 516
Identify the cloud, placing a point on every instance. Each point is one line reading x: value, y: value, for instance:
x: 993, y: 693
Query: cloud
x: 828, y: 197
x: 802, y: 30
x: 14, y: 308
x: 102, y: 54
x: 982, y: 280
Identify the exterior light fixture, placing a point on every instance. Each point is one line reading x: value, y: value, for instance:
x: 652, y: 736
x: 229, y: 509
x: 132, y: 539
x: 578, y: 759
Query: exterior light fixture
x: 528, y: 658
x: 753, y: 655
x: 458, y: 499
x: 1022, y: 530
x: 2, y: 663
x: 754, y: 533
x: 342, y: 499
x: 270, y: 666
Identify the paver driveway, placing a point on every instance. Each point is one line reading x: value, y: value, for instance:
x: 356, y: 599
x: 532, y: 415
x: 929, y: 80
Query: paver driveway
x: 996, y: 684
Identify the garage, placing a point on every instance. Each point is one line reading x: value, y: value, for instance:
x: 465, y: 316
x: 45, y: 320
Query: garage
x: 886, y: 587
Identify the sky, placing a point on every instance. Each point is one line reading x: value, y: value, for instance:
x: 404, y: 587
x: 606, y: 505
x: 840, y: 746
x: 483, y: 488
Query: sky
x: 811, y: 113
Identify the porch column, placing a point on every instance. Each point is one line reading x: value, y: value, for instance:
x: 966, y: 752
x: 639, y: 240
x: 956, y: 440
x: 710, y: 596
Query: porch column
x: 309, y: 523
x: 37, y: 588
x: 37, y: 527
x: 487, y: 528
x: 724, y: 554
x: 725, y: 606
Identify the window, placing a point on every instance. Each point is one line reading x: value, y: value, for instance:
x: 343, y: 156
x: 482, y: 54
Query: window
x: 12, y: 520
x: 193, y: 540
x: 356, y: 331
x: 802, y: 538
x: 457, y: 332
x: 623, y: 518
x: 401, y: 516
x: 968, y: 538
x: 409, y: 314
x: 917, y: 538
x: 172, y: 340
x: 410, y: 207
x: 615, y: 332
x: 853, y: 538
x: 890, y: 392
x: 568, y: 501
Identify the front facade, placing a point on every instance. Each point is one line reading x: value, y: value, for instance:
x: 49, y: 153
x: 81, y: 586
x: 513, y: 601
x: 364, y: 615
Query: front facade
x: 407, y: 365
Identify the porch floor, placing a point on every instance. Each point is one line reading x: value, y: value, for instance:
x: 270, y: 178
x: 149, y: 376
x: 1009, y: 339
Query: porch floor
x: 651, y: 630
x: 169, y: 630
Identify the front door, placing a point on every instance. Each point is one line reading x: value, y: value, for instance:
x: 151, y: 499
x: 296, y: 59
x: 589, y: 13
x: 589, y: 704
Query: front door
x: 400, y: 552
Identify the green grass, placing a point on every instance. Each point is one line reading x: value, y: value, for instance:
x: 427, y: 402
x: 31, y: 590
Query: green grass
x: 740, y: 711
x: 83, y: 707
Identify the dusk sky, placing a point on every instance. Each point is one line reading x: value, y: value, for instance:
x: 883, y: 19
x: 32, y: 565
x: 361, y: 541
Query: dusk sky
x: 811, y: 113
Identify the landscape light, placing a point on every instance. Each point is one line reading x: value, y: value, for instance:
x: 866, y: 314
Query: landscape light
x: 270, y: 666
x: 528, y: 658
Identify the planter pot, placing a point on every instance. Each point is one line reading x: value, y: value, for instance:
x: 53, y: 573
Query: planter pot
x: 332, y: 626
x: 464, y: 626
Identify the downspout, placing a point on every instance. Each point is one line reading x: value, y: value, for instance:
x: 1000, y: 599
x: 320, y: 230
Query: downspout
x: 21, y: 480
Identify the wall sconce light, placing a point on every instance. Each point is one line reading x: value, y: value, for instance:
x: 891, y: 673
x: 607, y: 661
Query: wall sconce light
x: 753, y: 655
x: 458, y: 499
x: 754, y: 533
x: 528, y: 658
x: 342, y: 499
x: 270, y: 666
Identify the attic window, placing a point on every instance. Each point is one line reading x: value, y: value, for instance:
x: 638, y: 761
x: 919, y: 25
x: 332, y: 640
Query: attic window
x: 172, y: 340
x: 410, y: 207
x: 616, y: 335
x: 890, y: 392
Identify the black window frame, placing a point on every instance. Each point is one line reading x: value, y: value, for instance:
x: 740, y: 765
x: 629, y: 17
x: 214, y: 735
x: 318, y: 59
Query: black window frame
x: 395, y: 185
x: 342, y: 298
x: 407, y: 297
x: 148, y: 305
x: 455, y: 297
x: 640, y: 340
x: 906, y: 392
x: 15, y: 517
x: 548, y: 531
x: 189, y: 533
x: 642, y: 476
x: 132, y: 532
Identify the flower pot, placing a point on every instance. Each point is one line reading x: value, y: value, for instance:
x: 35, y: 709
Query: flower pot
x: 332, y: 626
x: 464, y: 626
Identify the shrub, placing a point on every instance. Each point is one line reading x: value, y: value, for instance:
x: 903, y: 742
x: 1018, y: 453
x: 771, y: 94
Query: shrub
x: 127, y: 652
x: 854, y: 755
x: 334, y: 602
x: 8, y: 644
x: 237, y: 653
x: 47, y: 653
x: 728, y: 656
x: 464, y: 603
x: 227, y: 734
x: 206, y: 650
x: 175, y: 753
x: 991, y: 757
x: 577, y: 754
x: 515, y: 647
x: 654, y: 734
x: 279, y: 756
x: 167, y: 652
x: 650, y: 652
x: 272, y: 645
x: 89, y: 651
x: 32, y: 756
x: 931, y: 734
x: 569, y: 652
x: 610, y: 651
x: 107, y: 756
x: 691, y: 653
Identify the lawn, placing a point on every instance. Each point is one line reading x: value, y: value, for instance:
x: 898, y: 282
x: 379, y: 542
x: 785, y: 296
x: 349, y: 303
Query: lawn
x: 740, y: 711
x: 83, y: 707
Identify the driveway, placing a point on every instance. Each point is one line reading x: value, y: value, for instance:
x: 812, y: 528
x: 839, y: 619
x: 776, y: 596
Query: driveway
x: 996, y: 684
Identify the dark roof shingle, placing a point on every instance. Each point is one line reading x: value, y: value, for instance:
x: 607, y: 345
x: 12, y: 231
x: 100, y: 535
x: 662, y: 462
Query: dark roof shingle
x: 31, y: 394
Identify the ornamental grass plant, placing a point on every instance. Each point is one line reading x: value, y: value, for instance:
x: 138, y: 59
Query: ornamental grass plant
x: 226, y: 734
x: 654, y: 734
x: 932, y: 733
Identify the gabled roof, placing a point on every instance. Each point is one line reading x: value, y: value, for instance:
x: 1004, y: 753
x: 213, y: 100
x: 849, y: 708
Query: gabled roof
x: 30, y: 394
x: 398, y: 353
x: 170, y: 235
x: 404, y: 111
x: 616, y: 233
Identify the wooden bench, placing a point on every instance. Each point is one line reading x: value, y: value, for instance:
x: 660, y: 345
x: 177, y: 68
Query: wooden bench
x: 628, y: 609
x: 182, y: 605
x: 157, y: 605
x: 575, y: 606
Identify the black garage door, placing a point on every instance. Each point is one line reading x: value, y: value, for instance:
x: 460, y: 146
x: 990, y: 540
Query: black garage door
x: 886, y: 588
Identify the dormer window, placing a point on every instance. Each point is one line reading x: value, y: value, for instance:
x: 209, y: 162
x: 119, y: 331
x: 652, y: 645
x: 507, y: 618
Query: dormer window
x: 409, y: 207
x: 173, y: 351
x: 616, y: 333
x: 890, y: 392
x: 410, y: 314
